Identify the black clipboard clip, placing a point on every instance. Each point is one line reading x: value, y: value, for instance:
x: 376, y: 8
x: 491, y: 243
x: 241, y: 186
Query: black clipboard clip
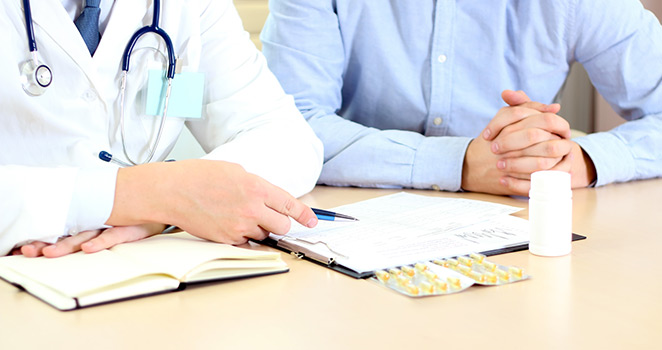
x: 302, y: 252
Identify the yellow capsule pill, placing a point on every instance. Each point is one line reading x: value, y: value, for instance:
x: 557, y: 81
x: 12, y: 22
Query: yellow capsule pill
x: 454, y: 282
x: 515, y: 271
x: 411, y: 289
x: 477, y: 276
x: 426, y: 288
x: 408, y: 270
x: 490, y: 277
x: 464, y: 260
x: 395, y: 272
x: 439, y: 262
x: 451, y: 263
x: 402, y: 280
x: 503, y: 274
x: 478, y: 257
x: 464, y: 269
x: 489, y: 266
x: 440, y: 285
x: 382, y: 275
x: 430, y: 275
x: 421, y: 267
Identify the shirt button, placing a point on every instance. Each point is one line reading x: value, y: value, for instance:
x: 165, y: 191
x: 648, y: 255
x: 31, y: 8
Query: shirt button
x: 89, y: 95
x: 442, y: 58
x: 437, y: 121
x: 435, y: 187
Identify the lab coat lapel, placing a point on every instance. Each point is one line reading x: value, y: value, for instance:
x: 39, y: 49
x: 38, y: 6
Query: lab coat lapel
x: 126, y: 17
x: 55, y: 23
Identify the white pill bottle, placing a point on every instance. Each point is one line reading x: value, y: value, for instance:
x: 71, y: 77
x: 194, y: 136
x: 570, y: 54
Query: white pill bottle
x: 550, y: 213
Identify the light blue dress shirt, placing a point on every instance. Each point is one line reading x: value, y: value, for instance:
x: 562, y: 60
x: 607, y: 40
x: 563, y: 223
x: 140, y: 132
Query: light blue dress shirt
x: 397, y: 89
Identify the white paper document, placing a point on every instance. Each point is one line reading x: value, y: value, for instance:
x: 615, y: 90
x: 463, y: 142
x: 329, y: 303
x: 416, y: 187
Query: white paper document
x: 405, y: 228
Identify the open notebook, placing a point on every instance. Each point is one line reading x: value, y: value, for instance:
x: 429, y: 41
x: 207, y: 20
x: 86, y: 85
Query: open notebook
x: 158, y: 264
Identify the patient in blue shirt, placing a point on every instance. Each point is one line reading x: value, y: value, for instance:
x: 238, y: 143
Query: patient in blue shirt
x: 455, y: 95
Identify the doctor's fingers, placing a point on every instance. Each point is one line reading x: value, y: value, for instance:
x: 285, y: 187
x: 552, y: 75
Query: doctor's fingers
x: 113, y: 236
x: 30, y: 250
x: 271, y: 215
x: 233, y: 232
x: 284, y: 203
x: 275, y: 222
x: 69, y: 245
x: 50, y: 250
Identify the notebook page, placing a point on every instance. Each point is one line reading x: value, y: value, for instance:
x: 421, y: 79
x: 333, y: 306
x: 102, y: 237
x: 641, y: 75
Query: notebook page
x: 180, y: 253
x: 78, y: 274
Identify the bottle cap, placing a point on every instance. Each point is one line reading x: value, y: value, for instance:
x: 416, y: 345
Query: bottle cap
x: 550, y: 183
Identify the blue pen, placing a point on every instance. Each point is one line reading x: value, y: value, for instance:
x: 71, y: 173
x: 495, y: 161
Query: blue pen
x: 332, y: 216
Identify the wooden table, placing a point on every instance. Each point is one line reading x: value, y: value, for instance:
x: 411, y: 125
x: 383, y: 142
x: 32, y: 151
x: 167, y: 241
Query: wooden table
x: 606, y: 294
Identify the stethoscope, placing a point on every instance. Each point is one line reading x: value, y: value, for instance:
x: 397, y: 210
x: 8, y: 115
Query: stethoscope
x: 36, y: 76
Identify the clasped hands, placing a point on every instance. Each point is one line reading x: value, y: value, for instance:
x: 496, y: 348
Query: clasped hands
x: 523, y: 137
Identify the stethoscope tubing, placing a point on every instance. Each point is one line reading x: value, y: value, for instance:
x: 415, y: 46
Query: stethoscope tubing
x: 152, y: 28
x: 29, y: 29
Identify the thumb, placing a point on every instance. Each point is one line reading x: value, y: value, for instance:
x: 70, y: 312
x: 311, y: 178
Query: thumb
x: 517, y: 98
x: 514, y: 98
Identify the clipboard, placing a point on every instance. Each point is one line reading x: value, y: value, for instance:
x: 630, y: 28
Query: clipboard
x: 331, y: 263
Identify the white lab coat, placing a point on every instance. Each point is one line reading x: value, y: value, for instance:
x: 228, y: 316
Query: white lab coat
x: 50, y: 144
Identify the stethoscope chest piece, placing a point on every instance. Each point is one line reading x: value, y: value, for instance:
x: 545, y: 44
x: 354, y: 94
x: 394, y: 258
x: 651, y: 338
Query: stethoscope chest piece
x: 35, y: 77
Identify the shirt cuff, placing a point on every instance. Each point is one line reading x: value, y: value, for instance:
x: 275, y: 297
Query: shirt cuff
x: 92, y: 200
x: 610, y: 156
x: 438, y: 163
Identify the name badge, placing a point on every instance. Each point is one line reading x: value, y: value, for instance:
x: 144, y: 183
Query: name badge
x: 185, y: 94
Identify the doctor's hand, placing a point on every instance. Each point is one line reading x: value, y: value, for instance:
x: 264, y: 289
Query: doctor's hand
x: 89, y: 241
x: 215, y: 200
x: 520, y: 139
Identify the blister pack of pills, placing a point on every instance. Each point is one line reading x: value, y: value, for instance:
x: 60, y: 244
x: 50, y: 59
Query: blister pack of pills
x: 447, y: 276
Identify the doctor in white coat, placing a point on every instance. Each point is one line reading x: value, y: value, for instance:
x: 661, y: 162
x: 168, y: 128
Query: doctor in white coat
x: 57, y: 196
